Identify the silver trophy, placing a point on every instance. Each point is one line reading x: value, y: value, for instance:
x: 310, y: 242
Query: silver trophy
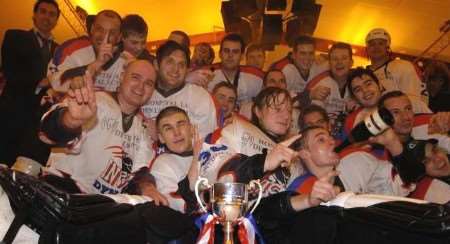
x: 229, y: 202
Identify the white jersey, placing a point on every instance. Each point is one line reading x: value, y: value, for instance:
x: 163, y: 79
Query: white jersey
x: 402, y: 75
x: 295, y: 82
x: 248, y: 81
x: 361, y: 172
x: 239, y: 137
x: 195, y: 100
x: 169, y: 169
x: 334, y: 104
x: 79, y: 52
x: 105, y: 158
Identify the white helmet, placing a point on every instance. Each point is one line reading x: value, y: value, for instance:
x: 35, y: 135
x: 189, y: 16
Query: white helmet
x: 378, y: 33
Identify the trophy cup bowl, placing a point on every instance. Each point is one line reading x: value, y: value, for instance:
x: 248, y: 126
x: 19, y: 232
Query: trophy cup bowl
x: 229, y: 203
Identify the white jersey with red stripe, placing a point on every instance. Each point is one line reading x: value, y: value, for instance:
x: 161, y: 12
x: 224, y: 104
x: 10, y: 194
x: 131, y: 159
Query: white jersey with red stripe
x: 362, y: 172
x: 248, y: 81
x: 294, y: 80
x: 239, y: 137
x: 105, y: 158
x: 397, y: 74
x: 80, y: 52
x: 334, y: 104
x: 169, y: 169
x: 195, y: 100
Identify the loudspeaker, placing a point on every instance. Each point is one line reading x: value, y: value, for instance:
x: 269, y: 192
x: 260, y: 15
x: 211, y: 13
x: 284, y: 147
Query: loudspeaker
x: 244, y: 8
x: 233, y: 23
x: 304, y: 22
x: 272, y: 30
x: 302, y: 5
x: 276, y: 5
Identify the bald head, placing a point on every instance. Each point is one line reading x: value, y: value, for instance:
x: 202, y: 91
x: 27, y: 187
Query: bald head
x: 137, y: 85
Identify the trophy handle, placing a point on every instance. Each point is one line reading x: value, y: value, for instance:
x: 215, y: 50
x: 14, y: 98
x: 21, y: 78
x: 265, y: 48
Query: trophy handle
x: 252, y: 184
x: 200, y: 181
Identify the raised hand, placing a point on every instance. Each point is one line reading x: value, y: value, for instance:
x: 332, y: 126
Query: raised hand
x: 81, y: 102
x: 197, y: 142
x: 105, y: 51
x: 320, y: 93
x: 440, y: 123
x: 323, y: 190
x: 281, y: 155
x: 390, y: 140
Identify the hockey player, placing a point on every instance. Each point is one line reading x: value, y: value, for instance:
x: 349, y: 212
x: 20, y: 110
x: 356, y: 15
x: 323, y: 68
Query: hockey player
x: 335, y: 97
x: 393, y: 74
x: 97, y: 53
x: 172, y: 90
x: 171, y: 169
x: 246, y: 79
x: 106, y: 143
x: 299, y: 66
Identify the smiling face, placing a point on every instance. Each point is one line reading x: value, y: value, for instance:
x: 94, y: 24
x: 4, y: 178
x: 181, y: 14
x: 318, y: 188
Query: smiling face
x: 366, y: 91
x: 304, y: 56
x: 45, y: 17
x: 340, y: 62
x: 230, y: 54
x: 105, y: 24
x: 401, y: 108
x: 275, y: 117
x: 175, y: 131
x: 137, y: 85
x: 436, y: 161
x: 172, y: 70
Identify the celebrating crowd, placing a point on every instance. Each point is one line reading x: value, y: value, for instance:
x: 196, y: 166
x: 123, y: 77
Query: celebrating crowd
x: 99, y: 114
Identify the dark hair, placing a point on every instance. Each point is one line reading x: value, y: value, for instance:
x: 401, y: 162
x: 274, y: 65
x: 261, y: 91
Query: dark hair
x: 186, y: 41
x: 168, y: 48
x: 254, y: 47
x: 359, y: 72
x: 52, y: 2
x: 224, y: 84
x: 134, y: 24
x: 389, y: 95
x: 438, y: 71
x: 108, y: 13
x: 313, y: 108
x: 303, y: 40
x: 233, y: 37
x: 341, y: 45
x: 268, y: 72
x: 169, y: 111
x: 267, y: 98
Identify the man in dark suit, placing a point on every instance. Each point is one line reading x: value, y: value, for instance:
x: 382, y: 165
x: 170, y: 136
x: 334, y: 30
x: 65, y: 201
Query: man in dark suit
x: 25, y: 56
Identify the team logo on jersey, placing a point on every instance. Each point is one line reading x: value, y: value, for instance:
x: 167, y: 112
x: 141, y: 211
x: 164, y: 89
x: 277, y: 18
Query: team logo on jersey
x: 117, y: 172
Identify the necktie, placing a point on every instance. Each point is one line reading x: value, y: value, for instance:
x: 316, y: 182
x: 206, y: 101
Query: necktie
x: 45, y: 49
